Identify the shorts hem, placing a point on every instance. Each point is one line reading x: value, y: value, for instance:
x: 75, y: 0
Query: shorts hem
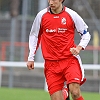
x: 74, y: 81
x: 58, y: 89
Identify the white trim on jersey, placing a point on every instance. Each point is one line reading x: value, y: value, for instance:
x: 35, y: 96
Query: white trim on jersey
x: 32, y: 46
x: 79, y: 23
x: 33, y: 38
x: 37, y: 22
x: 85, y: 38
x: 81, y: 27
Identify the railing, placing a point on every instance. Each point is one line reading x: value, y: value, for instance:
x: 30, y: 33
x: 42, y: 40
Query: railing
x: 40, y: 65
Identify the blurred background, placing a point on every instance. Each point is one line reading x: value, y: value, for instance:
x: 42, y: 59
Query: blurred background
x: 16, y: 18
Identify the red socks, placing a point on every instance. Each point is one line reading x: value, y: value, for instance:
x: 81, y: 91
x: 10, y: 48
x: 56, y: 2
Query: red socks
x: 80, y: 98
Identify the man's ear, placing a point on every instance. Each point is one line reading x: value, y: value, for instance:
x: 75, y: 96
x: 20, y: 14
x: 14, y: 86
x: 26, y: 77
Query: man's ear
x: 63, y: 1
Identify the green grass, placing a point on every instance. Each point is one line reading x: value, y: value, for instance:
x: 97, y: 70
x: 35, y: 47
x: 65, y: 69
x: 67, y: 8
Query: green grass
x: 91, y: 96
x: 33, y: 94
x: 23, y: 94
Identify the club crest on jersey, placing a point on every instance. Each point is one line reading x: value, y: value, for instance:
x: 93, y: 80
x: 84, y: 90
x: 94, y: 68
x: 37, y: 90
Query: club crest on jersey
x: 63, y: 21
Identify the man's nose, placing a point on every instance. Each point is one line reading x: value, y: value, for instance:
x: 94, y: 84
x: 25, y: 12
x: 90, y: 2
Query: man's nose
x: 51, y: 2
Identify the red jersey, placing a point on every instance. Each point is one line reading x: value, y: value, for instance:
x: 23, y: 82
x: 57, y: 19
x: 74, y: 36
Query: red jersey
x: 56, y: 33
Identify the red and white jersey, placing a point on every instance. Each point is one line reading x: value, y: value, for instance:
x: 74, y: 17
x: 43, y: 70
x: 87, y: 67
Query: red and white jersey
x: 56, y: 34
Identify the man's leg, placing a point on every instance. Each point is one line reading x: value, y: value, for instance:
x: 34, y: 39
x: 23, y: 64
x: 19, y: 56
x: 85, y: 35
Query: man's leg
x: 55, y: 79
x: 57, y: 96
x: 75, y: 91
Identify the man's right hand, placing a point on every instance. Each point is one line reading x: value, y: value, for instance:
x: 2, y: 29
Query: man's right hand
x: 30, y: 65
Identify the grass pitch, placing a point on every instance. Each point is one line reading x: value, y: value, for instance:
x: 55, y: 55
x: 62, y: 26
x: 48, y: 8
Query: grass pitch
x: 33, y: 94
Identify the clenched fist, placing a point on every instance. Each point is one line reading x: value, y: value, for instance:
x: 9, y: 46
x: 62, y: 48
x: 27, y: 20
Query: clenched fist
x: 30, y: 65
x: 75, y: 51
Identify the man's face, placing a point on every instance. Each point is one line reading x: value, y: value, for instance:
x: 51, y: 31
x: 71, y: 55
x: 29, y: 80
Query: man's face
x: 54, y: 4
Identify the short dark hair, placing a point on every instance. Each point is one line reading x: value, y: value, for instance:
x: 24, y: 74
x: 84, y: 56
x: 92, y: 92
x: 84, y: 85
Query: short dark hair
x: 63, y: 1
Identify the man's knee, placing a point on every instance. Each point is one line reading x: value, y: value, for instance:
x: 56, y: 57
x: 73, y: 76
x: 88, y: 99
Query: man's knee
x: 75, y: 90
x: 57, y: 96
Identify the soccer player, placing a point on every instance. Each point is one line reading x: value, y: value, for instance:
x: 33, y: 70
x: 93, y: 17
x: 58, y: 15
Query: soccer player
x: 54, y: 28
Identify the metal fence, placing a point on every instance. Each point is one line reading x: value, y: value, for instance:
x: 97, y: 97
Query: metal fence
x: 26, y: 80
x: 14, y: 30
x: 16, y: 22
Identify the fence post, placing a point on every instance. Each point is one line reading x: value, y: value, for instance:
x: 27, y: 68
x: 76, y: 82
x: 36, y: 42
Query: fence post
x: 0, y: 76
x: 99, y: 86
x: 45, y: 86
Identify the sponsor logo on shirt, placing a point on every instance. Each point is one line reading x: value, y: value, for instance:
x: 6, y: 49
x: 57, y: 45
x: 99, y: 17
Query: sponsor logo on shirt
x: 59, y: 30
x: 50, y: 30
x: 62, y: 30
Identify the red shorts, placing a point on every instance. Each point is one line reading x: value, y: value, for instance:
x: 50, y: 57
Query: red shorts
x: 57, y: 72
